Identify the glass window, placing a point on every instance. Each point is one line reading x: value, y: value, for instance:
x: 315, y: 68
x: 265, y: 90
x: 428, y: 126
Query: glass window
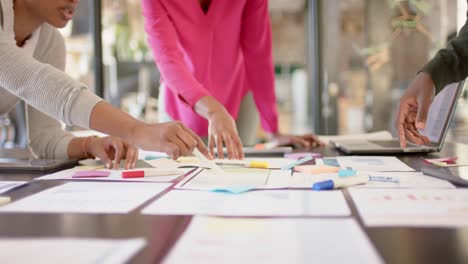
x: 371, y: 51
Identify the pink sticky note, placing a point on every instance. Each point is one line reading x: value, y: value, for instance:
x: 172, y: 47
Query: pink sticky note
x: 316, y: 169
x: 448, y: 160
x: 91, y: 174
x: 300, y: 155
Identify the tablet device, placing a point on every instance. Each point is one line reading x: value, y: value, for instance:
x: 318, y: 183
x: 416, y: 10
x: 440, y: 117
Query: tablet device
x: 455, y: 175
x: 34, y: 165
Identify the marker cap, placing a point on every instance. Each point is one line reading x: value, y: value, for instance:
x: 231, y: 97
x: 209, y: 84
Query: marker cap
x: 324, y: 185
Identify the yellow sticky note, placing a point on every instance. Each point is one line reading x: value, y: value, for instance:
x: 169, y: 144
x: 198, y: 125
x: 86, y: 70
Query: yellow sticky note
x: 188, y: 159
x: 4, y: 200
x: 316, y: 169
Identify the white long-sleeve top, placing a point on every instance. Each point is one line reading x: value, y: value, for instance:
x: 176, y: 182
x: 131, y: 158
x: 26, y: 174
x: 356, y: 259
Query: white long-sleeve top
x: 35, y: 74
x: 35, y: 80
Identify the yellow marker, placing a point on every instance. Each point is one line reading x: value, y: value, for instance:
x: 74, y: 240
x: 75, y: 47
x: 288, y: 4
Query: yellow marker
x: 90, y: 167
x: 4, y: 200
x: 243, y: 163
x: 259, y: 164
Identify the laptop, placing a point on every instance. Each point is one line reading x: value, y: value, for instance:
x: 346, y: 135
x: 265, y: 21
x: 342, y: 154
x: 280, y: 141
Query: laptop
x: 438, y: 122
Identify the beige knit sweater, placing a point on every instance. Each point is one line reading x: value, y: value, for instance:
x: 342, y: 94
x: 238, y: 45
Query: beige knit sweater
x: 34, y: 73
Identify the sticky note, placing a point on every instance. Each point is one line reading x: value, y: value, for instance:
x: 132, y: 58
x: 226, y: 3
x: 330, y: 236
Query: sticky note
x: 331, y: 162
x: 448, y: 160
x: 300, y: 155
x: 299, y: 162
x: 4, y: 200
x: 188, y: 159
x: 347, y: 173
x: 151, y: 157
x: 234, y: 189
x: 316, y: 169
x: 91, y: 174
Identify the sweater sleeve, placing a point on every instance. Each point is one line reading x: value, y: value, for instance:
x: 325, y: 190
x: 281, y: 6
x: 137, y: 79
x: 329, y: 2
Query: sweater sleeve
x: 451, y: 64
x: 256, y: 46
x: 163, y: 41
x: 47, y: 138
x: 44, y: 87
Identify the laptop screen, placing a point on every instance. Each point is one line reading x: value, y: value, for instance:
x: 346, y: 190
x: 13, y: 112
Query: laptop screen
x: 440, y: 113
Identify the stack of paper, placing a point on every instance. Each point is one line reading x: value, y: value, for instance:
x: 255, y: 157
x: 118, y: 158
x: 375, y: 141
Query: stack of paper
x: 6, y: 186
x: 256, y: 178
x: 67, y: 250
x: 406, y: 180
x: 412, y: 207
x: 218, y: 240
x: 373, y: 163
x: 114, y: 175
x: 88, y: 197
x: 257, y: 203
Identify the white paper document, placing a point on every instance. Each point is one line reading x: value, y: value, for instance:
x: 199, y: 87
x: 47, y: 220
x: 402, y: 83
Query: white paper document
x: 373, y: 163
x: 208, y: 180
x: 6, y: 186
x: 274, y: 163
x: 236, y: 240
x: 416, y: 180
x: 412, y: 207
x: 69, y: 250
x: 115, y: 175
x: 88, y: 197
x: 256, y: 203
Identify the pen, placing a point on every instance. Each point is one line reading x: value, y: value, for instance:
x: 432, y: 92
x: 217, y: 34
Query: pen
x: 340, y: 183
x: 208, y: 162
x: 383, y: 179
x: 150, y: 173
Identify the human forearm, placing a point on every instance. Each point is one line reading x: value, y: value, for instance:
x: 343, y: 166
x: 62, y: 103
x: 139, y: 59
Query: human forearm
x: 78, y: 148
x: 109, y: 120
x: 208, y: 107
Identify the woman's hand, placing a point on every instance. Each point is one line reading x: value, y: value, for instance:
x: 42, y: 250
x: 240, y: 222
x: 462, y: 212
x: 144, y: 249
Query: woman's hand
x: 298, y: 141
x: 222, y: 128
x: 173, y: 138
x: 111, y: 150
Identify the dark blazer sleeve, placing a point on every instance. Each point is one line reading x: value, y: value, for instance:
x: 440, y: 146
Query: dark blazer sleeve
x: 451, y: 64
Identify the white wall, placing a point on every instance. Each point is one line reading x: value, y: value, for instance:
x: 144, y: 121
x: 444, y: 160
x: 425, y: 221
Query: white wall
x: 461, y: 16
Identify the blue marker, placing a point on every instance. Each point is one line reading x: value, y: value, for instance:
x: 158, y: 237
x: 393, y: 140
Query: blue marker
x: 340, y: 183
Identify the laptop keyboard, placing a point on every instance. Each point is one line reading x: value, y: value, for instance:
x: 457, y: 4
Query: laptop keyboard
x: 388, y: 143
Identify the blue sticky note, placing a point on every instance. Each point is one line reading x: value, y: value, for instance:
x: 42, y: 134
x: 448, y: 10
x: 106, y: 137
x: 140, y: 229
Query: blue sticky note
x: 235, y: 189
x: 347, y: 173
x: 331, y: 162
x: 150, y: 157
x: 297, y: 163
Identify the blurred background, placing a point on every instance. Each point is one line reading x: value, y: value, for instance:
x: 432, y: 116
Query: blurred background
x: 340, y: 65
